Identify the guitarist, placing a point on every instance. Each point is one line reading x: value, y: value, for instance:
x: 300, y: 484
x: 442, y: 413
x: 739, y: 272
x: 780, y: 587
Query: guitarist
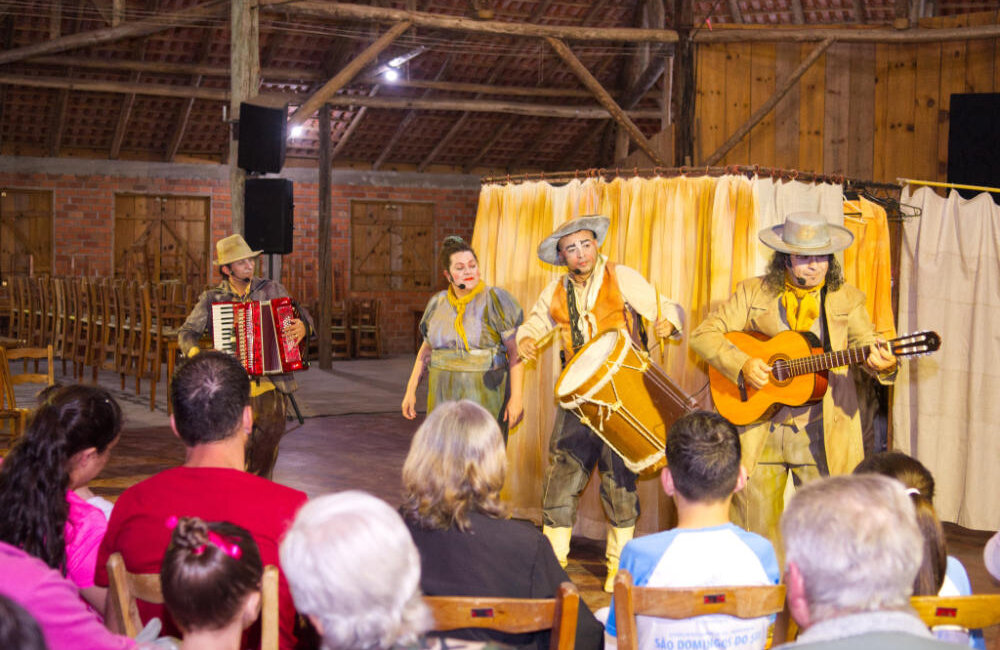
x: 803, y: 290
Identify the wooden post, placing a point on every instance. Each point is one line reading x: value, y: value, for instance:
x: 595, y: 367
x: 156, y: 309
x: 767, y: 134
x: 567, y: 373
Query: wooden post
x: 244, y: 63
x: 684, y: 84
x: 325, y: 307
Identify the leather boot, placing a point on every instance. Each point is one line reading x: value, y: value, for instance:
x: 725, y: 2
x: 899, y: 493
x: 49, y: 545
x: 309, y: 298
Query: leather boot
x: 617, y: 538
x: 559, y: 538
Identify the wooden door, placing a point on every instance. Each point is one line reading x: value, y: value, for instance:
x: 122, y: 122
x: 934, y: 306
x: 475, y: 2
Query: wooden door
x: 162, y: 238
x: 392, y: 246
x: 25, y: 232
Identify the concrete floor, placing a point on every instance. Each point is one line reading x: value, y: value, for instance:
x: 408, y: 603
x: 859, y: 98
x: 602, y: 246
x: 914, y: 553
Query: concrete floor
x: 354, y: 437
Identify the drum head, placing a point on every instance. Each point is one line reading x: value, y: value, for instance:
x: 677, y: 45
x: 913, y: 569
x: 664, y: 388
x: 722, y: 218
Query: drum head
x: 586, y: 362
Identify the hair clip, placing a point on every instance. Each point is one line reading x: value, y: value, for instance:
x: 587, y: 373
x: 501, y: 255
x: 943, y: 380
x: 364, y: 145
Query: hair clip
x: 232, y: 550
x: 913, y: 492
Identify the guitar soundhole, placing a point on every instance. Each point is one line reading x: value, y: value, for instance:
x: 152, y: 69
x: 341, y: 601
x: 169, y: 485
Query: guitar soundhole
x: 780, y: 370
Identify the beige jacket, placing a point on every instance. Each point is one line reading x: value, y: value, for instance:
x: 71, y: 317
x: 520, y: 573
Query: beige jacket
x: 753, y: 307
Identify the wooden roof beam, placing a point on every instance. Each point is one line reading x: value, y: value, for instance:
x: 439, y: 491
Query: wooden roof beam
x: 817, y: 33
x: 798, y: 16
x: 606, y: 100
x: 145, y: 27
x: 346, y: 11
x: 184, y: 115
x: 860, y: 16
x: 342, y: 78
x: 589, y: 112
x: 359, y: 115
x: 735, y: 13
x: 498, y: 133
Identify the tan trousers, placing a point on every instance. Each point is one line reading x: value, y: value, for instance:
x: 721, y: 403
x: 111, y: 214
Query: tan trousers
x: 268, y: 429
x: 794, y: 446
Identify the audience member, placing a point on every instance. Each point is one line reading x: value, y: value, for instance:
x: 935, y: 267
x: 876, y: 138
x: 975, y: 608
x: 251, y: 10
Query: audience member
x: 703, y: 473
x: 468, y: 547
x: 852, y: 552
x: 67, y: 443
x: 940, y: 573
x: 355, y: 573
x: 54, y: 602
x: 210, y: 394
x: 211, y: 579
x: 18, y: 629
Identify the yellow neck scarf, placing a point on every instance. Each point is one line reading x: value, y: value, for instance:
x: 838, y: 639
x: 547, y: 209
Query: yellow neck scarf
x: 460, y: 304
x: 801, y: 305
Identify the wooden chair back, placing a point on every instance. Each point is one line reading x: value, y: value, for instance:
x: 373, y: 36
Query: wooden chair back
x: 970, y: 612
x: 9, y: 412
x: 666, y: 602
x: 125, y: 589
x: 511, y: 615
x: 46, y: 354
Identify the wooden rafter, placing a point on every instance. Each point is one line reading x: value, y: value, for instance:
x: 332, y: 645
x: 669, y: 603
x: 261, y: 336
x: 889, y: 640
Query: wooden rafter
x: 346, y: 11
x: 726, y: 34
x: 798, y: 15
x: 124, y: 115
x: 145, y: 27
x: 184, y: 114
x: 342, y: 78
x: 359, y: 116
x: 548, y: 128
x: 859, y: 12
x: 734, y: 11
x: 605, y: 99
x: 498, y: 133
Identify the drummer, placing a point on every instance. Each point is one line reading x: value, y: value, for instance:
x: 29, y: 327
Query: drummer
x: 593, y: 296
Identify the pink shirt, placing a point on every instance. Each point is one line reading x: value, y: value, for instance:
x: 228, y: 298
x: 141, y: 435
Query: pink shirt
x: 85, y: 528
x: 66, y: 621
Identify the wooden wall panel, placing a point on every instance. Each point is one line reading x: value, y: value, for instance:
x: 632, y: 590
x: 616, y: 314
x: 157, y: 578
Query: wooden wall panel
x: 861, y: 118
x: 952, y: 81
x: 868, y: 111
x: 926, y: 111
x: 836, y: 109
x: 899, y: 114
x: 761, y: 88
x: 737, y: 100
x: 25, y: 232
x: 786, y: 113
x: 711, y: 107
x: 811, y: 112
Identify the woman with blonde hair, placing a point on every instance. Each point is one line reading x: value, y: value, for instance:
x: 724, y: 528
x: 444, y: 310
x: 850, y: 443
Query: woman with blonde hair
x: 452, y: 479
x: 469, y: 350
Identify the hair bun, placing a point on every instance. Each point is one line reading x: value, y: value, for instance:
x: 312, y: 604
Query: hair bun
x: 453, y: 240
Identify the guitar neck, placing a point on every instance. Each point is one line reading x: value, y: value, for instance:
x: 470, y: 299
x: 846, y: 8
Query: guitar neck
x: 828, y: 360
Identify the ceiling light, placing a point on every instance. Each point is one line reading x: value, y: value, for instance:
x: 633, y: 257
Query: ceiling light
x: 392, y: 74
x: 296, y: 131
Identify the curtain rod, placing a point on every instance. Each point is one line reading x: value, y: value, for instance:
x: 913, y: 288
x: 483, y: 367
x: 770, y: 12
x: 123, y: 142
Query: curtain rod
x: 749, y: 170
x: 957, y: 186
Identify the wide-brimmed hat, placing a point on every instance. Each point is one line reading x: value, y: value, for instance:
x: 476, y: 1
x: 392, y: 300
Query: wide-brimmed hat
x: 233, y: 249
x: 595, y: 223
x: 806, y: 233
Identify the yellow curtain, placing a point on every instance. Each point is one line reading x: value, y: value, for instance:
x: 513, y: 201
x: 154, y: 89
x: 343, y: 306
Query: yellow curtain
x: 693, y: 238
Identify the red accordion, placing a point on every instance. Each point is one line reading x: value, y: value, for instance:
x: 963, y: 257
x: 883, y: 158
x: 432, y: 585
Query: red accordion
x: 252, y: 332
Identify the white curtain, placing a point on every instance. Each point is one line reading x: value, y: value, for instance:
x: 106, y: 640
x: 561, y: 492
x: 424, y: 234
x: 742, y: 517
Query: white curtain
x: 946, y: 408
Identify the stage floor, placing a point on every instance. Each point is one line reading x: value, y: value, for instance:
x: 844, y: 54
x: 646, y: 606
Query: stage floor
x: 354, y: 437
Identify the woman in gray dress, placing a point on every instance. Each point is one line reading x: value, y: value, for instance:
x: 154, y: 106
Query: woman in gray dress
x: 469, y: 347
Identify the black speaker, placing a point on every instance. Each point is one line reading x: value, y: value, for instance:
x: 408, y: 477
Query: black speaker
x: 974, y: 141
x: 262, y: 136
x: 267, y: 210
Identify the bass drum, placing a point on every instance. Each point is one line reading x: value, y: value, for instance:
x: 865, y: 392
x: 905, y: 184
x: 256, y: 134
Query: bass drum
x: 629, y: 402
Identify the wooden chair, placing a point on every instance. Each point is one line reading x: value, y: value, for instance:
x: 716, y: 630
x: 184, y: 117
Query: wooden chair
x: 125, y: 588
x: 9, y: 412
x: 366, y: 329
x: 340, y: 331
x: 969, y: 612
x: 511, y: 615
x: 664, y: 602
x: 61, y: 324
x: 46, y: 354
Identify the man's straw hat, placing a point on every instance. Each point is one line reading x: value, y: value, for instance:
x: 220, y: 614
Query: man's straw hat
x: 806, y: 233
x: 233, y: 249
x: 596, y: 223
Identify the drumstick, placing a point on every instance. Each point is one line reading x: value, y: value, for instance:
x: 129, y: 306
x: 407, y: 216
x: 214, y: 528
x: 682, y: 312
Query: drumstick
x: 546, y: 338
x: 659, y: 338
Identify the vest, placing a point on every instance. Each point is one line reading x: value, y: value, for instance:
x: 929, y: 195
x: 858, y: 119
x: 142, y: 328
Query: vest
x: 609, y: 310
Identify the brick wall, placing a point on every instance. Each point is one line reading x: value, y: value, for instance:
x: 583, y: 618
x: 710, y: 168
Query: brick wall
x: 83, y: 205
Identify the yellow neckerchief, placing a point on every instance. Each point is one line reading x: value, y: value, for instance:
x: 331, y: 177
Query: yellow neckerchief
x: 460, y: 304
x: 236, y: 292
x: 801, y: 305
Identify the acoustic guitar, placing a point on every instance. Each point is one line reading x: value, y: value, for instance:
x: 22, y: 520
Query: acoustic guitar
x: 798, y: 371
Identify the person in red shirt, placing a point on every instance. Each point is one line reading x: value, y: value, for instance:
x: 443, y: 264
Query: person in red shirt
x: 210, y: 394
